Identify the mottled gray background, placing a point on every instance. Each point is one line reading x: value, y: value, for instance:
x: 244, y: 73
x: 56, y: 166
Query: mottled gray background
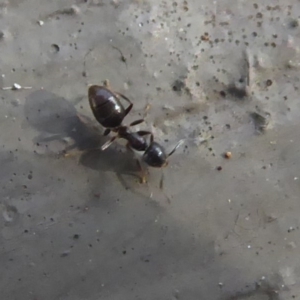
x: 222, y: 76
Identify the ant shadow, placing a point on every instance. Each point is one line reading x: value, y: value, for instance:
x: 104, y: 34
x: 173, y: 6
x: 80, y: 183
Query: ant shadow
x: 112, y: 160
x: 56, y: 119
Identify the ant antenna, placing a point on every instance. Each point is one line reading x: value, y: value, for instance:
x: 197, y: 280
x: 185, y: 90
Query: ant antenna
x: 176, y: 147
x: 122, y: 57
x: 84, y: 72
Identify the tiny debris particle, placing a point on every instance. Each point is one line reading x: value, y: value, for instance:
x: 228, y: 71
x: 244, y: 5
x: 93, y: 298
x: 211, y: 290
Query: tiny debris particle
x: 227, y: 155
x: 219, y: 168
x: 65, y: 253
x: 76, y: 236
x: 205, y: 38
x: 73, y: 10
x: 40, y: 22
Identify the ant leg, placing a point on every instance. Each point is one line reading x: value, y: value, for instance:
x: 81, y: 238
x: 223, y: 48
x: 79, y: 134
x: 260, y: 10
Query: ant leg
x: 129, y: 148
x: 161, y: 182
x: 142, y: 133
x: 129, y: 108
x: 106, y: 131
x: 151, y: 138
x: 108, y: 143
x: 143, y: 177
x: 175, y: 148
x: 147, y: 108
x: 137, y: 122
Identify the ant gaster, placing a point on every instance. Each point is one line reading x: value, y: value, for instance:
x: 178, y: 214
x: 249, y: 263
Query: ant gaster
x: 108, y: 109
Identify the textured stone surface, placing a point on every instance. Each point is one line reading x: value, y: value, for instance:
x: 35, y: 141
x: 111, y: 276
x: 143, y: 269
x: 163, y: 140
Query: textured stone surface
x: 220, y: 75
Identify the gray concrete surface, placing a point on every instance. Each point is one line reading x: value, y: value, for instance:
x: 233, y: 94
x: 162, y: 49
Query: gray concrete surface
x: 222, y: 76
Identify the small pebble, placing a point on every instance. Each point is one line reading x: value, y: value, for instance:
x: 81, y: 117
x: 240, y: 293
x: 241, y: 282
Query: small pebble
x: 16, y: 86
x: 227, y: 155
x: 65, y: 253
x: 75, y: 9
x: 291, y: 245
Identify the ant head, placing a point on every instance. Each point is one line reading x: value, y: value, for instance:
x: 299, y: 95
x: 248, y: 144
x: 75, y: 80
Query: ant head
x: 155, y: 156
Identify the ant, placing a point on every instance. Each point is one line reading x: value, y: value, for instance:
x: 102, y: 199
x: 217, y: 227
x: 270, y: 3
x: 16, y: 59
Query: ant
x: 110, y: 113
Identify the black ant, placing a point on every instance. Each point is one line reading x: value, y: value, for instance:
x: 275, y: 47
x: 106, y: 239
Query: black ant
x: 110, y: 113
